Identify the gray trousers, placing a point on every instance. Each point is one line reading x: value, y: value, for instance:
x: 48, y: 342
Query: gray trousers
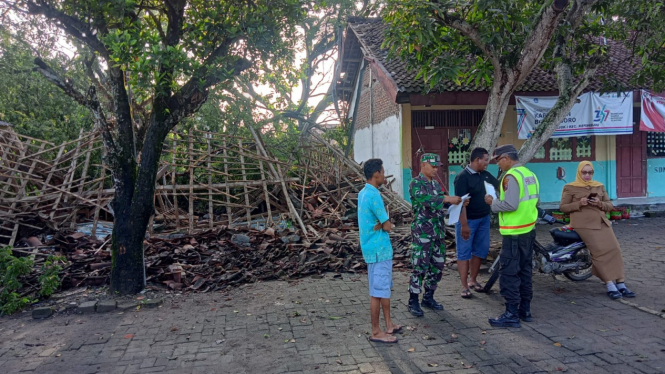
x: 517, y: 268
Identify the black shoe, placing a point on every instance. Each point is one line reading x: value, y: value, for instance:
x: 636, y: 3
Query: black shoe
x: 507, y: 319
x: 626, y: 292
x: 414, y: 306
x: 614, y: 295
x: 524, y: 311
x: 429, y: 302
x: 525, y: 316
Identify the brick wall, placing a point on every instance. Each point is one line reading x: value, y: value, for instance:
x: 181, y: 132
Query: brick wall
x: 384, y: 106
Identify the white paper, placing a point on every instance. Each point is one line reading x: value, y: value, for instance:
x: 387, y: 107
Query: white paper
x: 455, y: 210
x: 489, y: 190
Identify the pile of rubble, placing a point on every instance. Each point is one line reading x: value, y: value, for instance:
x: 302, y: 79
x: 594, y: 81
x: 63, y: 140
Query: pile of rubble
x: 216, y: 259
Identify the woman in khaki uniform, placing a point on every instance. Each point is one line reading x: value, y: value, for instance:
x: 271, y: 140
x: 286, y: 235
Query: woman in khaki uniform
x: 586, y: 201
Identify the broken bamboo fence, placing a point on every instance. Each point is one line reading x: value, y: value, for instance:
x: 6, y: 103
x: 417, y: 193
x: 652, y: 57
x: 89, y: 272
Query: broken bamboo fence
x: 204, y: 180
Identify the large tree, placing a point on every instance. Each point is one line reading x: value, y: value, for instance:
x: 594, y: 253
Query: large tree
x: 498, y: 43
x: 150, y: 65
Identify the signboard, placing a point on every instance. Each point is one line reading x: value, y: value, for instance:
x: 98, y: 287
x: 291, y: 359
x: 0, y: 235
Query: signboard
x: 594, y: 114
x: 652, y: 117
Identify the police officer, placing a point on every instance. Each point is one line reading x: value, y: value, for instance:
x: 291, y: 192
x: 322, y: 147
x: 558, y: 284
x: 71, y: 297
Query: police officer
x: 517, y: 208
x: 427, y: 231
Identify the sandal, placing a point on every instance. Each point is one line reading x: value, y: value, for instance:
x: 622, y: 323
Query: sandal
x: 386, y: 340
x: 466, y: 294
x: 396, y: 329
x: 477, y: 287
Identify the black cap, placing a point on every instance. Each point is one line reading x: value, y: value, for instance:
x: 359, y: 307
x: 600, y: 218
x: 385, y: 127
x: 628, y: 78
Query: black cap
x: 502, y: 150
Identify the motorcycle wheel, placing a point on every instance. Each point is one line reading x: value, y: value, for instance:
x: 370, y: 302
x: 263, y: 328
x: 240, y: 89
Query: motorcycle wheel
x: 583, y: 274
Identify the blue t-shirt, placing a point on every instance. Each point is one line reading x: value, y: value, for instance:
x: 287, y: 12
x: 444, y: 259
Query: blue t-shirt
x: 375, y: 244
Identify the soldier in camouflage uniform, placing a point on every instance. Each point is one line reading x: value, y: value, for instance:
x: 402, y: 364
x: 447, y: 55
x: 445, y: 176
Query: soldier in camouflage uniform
x: 427, y: 231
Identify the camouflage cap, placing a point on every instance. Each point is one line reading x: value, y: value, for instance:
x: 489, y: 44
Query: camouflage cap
x: 431, y: 158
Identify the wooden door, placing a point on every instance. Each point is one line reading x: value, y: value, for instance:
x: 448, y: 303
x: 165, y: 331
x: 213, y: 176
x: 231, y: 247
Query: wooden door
x: 430, y: 140
x: 632, y: 162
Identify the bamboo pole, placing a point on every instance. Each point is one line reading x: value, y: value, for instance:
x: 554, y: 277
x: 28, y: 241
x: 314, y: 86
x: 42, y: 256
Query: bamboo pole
x: 210, y: 211
x: 69, y: 175
x: 226, y: 178
x: 12, y: 172
x: 50, y: 174
x: 304, y: 185
x: 173, y: 181
x: 266, y: 195
x: 84, y: 173
x: 191, y: 184
x: 12, y: 133
x: 278, y: 172
x: 19, y: 195
x: 244, y: 177
x: 95, y: 220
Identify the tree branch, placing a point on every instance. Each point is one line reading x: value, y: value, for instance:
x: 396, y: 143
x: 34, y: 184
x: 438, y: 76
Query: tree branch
x: 90, y: 101
x: 158, y: 26
x: 88, y: 64
x: 568, y: 94
x: 536, y: 43
x: 72, y: 25
x: 470, y: 32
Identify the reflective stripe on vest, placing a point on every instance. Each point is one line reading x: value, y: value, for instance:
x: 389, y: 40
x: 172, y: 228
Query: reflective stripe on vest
x: 523, y: 220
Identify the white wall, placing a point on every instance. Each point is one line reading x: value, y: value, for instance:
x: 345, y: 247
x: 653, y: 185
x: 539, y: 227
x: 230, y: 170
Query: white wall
x: 387, y: 146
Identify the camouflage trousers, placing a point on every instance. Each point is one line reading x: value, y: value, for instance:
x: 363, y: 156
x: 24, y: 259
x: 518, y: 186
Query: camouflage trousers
x: 427, y: 258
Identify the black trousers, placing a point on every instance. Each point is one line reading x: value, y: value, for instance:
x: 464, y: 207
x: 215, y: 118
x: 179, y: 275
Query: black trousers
x: 517, y: 268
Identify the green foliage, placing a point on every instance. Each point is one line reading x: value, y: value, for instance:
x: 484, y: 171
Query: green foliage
x: 421, y: 35
x: 34, y: 106
x: 50, y: 281
x: 11, y: 269
x: 441, y: 53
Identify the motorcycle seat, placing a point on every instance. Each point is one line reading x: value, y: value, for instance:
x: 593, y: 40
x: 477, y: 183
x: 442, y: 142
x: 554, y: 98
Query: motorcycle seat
x: 565, y: 235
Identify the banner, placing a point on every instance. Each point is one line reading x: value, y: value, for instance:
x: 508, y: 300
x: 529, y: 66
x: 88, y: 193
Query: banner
x: 652, y: 117
x: 594, y: 114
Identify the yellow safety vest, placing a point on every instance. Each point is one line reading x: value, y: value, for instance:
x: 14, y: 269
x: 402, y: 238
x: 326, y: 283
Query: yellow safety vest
x: 523, y: 220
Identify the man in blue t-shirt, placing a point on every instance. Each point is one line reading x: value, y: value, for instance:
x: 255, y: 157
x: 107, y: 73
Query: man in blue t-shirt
x: 374, y: 225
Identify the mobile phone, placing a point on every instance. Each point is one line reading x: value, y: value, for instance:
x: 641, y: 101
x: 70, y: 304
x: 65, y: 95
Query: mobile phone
x: 593, y: 195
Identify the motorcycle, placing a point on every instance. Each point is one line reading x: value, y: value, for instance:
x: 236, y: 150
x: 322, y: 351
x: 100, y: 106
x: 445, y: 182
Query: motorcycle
x: 566, y: 254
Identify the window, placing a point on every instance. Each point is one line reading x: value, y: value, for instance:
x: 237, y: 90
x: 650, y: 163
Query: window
x: 447, y: 118
x: 567, y: 149
x: 656, y: 144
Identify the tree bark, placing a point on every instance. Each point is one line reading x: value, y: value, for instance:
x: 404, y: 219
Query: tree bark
x: 127, y: 270
x: 568, y: 93
x: 490, y: 127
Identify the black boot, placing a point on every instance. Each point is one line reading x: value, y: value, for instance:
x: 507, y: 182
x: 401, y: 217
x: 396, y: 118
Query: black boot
x: 509, y: 318
x: 524, y: 311
x: 429, y: 302
x: 414, y: 305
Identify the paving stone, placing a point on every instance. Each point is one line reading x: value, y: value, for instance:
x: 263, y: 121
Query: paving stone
x: 126, y: 305
x: 153, y: 303
x: 40, y: 313
x: 48, y: 352
x: 87, y: 307
x: 105, y: 306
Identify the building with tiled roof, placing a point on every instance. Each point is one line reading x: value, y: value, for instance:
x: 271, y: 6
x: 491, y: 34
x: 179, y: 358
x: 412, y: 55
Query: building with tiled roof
x: 395, y: 117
